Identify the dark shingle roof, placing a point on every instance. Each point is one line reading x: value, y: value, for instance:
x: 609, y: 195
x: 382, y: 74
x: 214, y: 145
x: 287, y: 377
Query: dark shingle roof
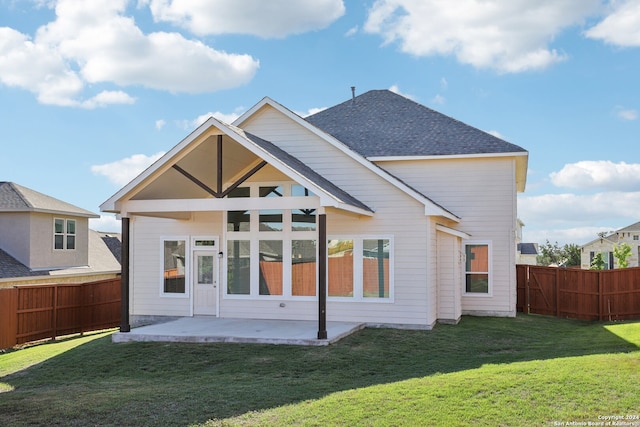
x: 304, y: 170
x: 380, y: 123
x: 527, y: 248
x: 16, y: 198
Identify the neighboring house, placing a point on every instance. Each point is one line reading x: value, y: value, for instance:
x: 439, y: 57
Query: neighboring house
x: 606, y: 243
x: 526, y: 253
x: 378, y: 210
x: 46, y: 240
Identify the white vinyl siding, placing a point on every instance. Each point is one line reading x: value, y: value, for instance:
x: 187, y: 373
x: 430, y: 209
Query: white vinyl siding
x: 482, y: 192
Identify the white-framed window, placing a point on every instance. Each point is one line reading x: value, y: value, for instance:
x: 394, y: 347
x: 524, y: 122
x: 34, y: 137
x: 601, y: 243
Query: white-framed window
x: 360, y: 268
x: 64, y: 234
x: 174, y: 264
x: 477, y: 272
x: 271, y: 253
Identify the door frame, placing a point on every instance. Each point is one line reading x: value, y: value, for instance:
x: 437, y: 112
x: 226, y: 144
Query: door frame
x: 198, y: 248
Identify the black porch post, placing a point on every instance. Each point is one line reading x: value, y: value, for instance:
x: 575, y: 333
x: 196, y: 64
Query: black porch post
x: 322, y: 277
x: 124, y: 278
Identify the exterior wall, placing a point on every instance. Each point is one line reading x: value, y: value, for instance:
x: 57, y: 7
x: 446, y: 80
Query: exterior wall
x: 145, y: 297
x: 28, y: 237
x: 396, y: 215
x: 14, y: 235
x: 41, y: 236
x: 482, y: 192
x: 449, y: 278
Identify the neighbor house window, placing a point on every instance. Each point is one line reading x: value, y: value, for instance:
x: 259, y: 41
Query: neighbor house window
x: 174, y: 267
x: 360, y: 268
x: 477, y: 276
x: 64, y: 233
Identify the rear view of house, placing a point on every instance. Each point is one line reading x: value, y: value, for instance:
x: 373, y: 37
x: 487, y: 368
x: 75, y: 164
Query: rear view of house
x: 378, y: 210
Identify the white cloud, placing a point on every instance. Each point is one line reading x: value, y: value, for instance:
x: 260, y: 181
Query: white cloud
x: 621, y: 27
x: 225, y: 117
x: 121, y: 172
x: 438, y: 100
x: 495, y: 133
x: 272, y: 18
x: 160, y: 124
x: 106, y: 223
x: 575, y: 235
x: 396, y: 89
x: 505, y: 35
x: 602, y: 174
x: 626, y: 113
x: 95, y: 43
x: 571, y: 218
x: 352, y: 31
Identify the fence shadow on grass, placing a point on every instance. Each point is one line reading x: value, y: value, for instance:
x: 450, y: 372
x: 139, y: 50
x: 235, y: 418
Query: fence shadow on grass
x: 181, y: 384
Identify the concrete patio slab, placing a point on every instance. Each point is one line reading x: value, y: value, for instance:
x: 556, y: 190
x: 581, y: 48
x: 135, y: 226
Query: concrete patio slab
x: 206, y: 329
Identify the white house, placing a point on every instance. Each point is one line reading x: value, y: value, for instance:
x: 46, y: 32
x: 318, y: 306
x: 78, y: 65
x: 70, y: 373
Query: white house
x: 606, y: 243
x: 44, y: 240
x: 378, y: 210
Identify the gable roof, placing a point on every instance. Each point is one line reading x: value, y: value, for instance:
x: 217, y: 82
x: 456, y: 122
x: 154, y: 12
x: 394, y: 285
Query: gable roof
x: 380, y: 123
x: 431, y: 207
x: 330, y: 194
x: 630, y: 228
x: 304, y: 170
x: 16, y: 198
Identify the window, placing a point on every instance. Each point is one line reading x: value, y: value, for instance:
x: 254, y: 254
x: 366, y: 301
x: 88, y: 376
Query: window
x: 238, y: 267
x: 375, y: 268
x: 303, y: 268
x: 477, y: 269
x: 270, y: 267
x: 271, y: 251
x: 360, y: 268
x: 340, y: 263
x: 635, y: 237
x: 174, y: 267
x: 64, y: 234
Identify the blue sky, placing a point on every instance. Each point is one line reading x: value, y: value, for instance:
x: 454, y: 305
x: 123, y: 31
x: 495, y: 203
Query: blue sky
x: 91, y: 92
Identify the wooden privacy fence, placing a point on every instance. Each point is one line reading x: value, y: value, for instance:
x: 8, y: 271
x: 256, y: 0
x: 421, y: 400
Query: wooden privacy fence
x: 35, y: 312
x: 579, y: 294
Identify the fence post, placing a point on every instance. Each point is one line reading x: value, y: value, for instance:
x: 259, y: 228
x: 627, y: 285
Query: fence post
x: 54, y: 314
x: 557, y: 286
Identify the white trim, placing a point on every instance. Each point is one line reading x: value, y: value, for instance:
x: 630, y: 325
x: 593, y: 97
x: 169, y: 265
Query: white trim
x: 187, y: 267
x: 430, y: 207
x: 452, y: 231
x: 489, y: 293
x: 358, y: 277
x: 445, y: 156
x: 117, y: 205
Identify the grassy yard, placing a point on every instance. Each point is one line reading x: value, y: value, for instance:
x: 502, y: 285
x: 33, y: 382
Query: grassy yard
x: 485, y: 371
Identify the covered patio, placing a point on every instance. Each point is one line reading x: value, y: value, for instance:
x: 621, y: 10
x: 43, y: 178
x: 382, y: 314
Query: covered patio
x: 207, y: 329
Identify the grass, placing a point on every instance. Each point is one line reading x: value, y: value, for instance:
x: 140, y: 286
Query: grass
x: 530, y: 370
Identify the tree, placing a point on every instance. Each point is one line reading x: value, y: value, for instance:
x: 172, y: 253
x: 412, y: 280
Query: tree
x: 572, y: 254
x: 568, y: 255
x: 621, y: 252
x: 549, y: 254
x: 597, y: 263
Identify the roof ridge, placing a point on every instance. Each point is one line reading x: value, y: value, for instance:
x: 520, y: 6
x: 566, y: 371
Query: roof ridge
x: 18, y: 189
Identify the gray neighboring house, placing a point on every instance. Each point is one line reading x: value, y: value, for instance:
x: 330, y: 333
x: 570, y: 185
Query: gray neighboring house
x: 44, y: 240
x: 606, y: 243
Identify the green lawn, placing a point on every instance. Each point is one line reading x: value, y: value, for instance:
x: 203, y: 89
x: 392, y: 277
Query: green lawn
x: 483, y: 372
